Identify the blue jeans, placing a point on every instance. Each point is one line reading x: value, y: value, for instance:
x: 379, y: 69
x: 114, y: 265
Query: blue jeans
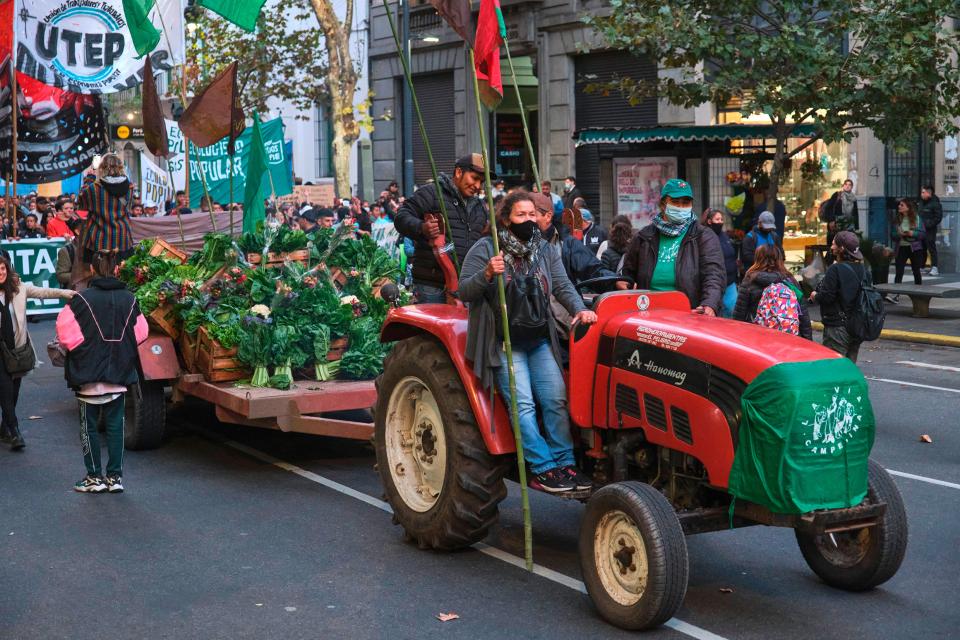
x: 426, y: 294
x: 538, y: 378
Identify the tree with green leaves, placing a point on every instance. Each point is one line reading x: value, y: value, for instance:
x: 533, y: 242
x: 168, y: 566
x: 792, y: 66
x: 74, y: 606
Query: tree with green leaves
x: 300, y: 53
x: 886, y: 65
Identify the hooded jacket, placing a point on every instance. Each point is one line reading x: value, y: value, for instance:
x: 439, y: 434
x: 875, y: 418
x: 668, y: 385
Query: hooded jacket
x: 100, y: 329
x: 468, y: 218
x: 751, y: 291
x: 108, y: 222
x: 699, y: 270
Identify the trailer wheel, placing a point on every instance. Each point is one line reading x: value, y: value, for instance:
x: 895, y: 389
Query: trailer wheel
x: 633, y: 555
x: 442, y: 484
x: 862, y: 559
x: 146, y: 416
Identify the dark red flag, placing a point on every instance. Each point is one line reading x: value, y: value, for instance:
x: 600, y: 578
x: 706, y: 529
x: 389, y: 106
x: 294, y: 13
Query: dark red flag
x: 154, y: 127
x: 458, y: 15
x: 215, y: 113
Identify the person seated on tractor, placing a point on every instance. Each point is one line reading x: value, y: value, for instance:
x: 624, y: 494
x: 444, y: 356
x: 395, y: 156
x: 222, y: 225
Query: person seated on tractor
x: 677, y: 254
x: 533, y: 271
x: 579, y: 263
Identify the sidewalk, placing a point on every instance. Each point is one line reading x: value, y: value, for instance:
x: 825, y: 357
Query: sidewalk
x: 944, y: 317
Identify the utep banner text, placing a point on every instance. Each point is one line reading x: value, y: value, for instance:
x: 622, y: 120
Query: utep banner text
x: 58, y: 132
x: 214, y: 162
x: 36, y: 262
x: 85, y: 45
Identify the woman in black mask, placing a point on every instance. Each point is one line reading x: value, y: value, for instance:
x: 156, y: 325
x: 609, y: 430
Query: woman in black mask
x: 533, y: 271
x: 713, y: 218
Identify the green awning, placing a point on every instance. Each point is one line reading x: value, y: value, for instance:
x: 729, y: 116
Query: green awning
x: 688, y: 134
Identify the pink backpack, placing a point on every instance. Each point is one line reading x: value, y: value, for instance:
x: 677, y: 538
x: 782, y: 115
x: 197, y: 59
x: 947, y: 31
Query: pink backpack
x: 779, y: 308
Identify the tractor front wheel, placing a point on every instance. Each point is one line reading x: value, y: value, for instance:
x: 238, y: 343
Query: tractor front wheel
x: 442, y: 483
x: 633, y: 556
x: 861, y: 559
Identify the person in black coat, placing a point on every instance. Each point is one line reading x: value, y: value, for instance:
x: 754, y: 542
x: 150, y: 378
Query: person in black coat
x: 572, y: 192
x: 467, y: 216
x: 931, y: 215
x: 837, y: 293
x: 768, y: 269
x: 713, y: 219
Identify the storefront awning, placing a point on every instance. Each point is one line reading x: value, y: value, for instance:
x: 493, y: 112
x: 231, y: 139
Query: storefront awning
x: 688, y: 134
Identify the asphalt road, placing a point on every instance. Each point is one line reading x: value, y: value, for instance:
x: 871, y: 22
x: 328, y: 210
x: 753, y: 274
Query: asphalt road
x: 228, y: 532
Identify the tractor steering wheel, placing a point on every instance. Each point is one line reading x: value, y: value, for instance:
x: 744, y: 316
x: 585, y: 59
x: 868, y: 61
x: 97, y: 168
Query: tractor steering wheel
x: 602, y: 280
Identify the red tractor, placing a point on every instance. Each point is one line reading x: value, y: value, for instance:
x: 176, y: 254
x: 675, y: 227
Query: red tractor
x: 655, y: 394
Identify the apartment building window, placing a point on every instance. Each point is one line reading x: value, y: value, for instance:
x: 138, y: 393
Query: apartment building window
x: 324, y: 136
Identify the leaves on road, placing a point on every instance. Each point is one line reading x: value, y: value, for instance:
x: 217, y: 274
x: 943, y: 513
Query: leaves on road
x: 926, y: 438
x: 447, y: 617
x: 726, y: 590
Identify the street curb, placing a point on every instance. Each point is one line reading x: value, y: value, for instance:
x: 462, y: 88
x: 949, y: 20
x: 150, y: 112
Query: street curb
x: 910, y: 336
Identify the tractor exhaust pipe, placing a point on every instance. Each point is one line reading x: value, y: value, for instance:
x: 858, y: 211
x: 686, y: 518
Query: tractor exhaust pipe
x: 625, y: 446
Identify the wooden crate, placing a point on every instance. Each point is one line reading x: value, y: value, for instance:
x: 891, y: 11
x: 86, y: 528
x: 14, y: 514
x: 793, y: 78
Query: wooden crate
x: 278, y: 259
x: 216, y: 362
x: 165, y: 320
x: 337, y: 348
x: 188, y: 350
x: 163, y: 248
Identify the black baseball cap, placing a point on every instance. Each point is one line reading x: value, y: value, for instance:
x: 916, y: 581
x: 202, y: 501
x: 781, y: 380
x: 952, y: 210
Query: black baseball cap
x: 472, y: 162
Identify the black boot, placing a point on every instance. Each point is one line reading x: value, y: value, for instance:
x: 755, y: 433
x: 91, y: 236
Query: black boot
x: 16, y: 439
x: 4, y: 435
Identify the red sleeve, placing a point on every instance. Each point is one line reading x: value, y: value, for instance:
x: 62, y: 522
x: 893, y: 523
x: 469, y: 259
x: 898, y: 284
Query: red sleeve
x: 68, y: 329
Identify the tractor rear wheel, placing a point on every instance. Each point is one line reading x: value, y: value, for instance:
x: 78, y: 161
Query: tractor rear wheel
x: 442, y: 483
x: 862, y: 559
x: 146, y: 416
x: 633, y: 555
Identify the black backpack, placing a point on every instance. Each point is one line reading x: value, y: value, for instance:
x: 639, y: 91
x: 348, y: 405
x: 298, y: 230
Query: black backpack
x: 527, y: 309
x: 865, y: 320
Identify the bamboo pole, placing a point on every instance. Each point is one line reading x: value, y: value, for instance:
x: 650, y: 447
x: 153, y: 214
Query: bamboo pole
x: 231, y: 193
x: 507, y: 345
x: 423, y: 129
x: 15, y: 114
x: 523, y: 118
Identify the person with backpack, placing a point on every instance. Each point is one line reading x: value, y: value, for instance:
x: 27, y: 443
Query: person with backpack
x: 851, y: 309
x: 100, y: 329
x: 770, y: 296
x: 533, y: 271
x: 763, y: 233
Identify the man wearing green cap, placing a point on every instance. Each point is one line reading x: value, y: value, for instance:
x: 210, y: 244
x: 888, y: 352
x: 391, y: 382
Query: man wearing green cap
x: 674, y: 253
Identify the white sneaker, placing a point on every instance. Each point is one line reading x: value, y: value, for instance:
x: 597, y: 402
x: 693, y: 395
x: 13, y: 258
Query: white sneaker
x: 934, y: 271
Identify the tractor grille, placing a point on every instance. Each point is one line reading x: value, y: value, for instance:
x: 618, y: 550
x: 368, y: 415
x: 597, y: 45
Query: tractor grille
x: 656, y: 412
x: 627, y: 401
x: 681, y: 424
x: 724, y: 391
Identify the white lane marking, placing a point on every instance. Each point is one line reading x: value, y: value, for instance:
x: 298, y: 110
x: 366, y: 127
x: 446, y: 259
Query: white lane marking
x: 925, y: 365
x: 554, y: 576
x: 942, y: 483
x: 913, y: 384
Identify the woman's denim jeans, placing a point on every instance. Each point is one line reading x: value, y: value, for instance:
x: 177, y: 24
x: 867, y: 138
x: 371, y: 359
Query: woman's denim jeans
x: 538, y: 378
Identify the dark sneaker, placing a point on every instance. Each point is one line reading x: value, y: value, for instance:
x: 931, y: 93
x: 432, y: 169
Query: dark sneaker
x: 90, y: 484
x: 581, y: 480
x: 114, y: 484
x: 553, y: 481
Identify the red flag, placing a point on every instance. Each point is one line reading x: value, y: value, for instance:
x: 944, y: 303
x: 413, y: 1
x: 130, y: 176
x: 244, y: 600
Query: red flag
x: 490, y: 34
x: 154, y: 127
x: 215, y: 113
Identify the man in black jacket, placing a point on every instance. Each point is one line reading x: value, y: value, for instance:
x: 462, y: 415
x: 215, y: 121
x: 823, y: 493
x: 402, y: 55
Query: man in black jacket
x: 931, y: 214
x: 100, y: 329
x: 467, y: 216
x: 837, y: 294
x: 571, y: 192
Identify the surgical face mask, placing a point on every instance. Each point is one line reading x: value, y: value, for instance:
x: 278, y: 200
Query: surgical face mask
x: 524, y: 230
x: 677, y: 215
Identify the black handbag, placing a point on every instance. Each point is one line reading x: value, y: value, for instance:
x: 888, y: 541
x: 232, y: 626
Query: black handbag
x: 527, y: 309
x: 18, y: 361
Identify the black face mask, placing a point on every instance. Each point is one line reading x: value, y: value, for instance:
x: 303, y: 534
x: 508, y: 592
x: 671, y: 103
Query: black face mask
x: 717, y: 227
x: 524, y: 230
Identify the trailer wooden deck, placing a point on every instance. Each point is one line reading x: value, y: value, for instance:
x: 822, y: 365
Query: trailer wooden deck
x: 294, y: 410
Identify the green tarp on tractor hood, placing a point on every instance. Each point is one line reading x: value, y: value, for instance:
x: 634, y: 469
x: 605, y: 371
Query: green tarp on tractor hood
x: 805, y: 436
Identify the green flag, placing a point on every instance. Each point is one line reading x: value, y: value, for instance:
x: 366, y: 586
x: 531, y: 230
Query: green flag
x: 145, y: 35
x: 242, y: 13
x: 253, y: 209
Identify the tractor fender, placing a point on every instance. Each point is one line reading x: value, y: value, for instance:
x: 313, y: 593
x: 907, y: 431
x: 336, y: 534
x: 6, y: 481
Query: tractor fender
x: 448, y: 325
x: 158, y: 358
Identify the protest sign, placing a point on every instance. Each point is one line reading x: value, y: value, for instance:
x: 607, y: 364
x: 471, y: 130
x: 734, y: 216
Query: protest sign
x: 36, y: 263
x: 155, y: 187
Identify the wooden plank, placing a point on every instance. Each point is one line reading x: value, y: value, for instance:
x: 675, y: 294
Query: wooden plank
x: 312, y: 425
x: 304, y: 398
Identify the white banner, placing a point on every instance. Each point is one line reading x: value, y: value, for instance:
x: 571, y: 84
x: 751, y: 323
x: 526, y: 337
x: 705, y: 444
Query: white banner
x: 85, y: 45
x: 155, y: 186
x: 177, y: 158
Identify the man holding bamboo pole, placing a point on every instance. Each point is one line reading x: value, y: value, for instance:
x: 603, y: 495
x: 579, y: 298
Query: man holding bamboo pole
x: 419, y: 219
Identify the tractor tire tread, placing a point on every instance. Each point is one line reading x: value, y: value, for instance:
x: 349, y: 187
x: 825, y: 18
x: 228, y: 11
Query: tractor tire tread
x: 145, y: 419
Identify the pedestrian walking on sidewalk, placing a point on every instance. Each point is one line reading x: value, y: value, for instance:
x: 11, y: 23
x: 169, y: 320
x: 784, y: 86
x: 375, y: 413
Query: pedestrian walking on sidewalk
x: 18, y: 357
x: 931, y: 215
x: 910, y: 246
x: 838, y: 293
x: 100, y: 330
